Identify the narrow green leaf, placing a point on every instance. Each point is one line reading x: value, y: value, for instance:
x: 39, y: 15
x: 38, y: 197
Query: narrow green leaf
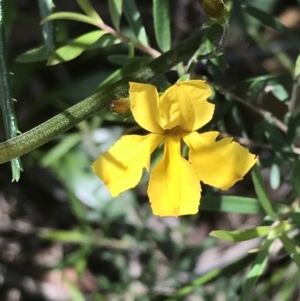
x: 234, y: 204
x: 75, y: 48
x: 255, y: 272
x: 297, y: 67
x: 280, y: 92
x: 76, y: 294
x: 275, y: 176
x: 135, y: 21
x: 295, y: 178
x: 247, y: 234
x: 46, y: 8
x: 162, y: 23
x: 89, y: 10
x: 73, y: 236
x: 97, y: 102
x: 105, y: 41
x: 6, y: 101
x: 115, y: 10
x: 275, y: 136
x: 61, y: 149
x: 38, y: 54
x: 70, y: 16
x: 188, y: 289
x: 291, y: 247
x: 268, y: 20
x: 241, y: 235
x: 261, y: 191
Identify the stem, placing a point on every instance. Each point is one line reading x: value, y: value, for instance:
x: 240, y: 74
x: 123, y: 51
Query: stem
x: 94, y: 104
x: 46, y: 7
x: 146, y: 49
x: 6, y: 101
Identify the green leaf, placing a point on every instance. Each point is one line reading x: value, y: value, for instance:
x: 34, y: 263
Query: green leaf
x: 275, y: 176
x: 260, y: 190
x: 162, y: 23
x: 38, y: 54
x: 73, y: 236
x: 241, y: 235
x: 268, y: 20
x: 291, y: 247
x: 234, y: 204
x: 135, y: 21
x: 247, y: 234
x: 275, y: 136
x: 295, y: 178
x: 105, y: 41
x: 188, y: 289
x: 61, y: 149
x: 89, y: 10
x: 75, y: 48
x: 118, y: 59
x: 115, y: 10
x: 70, y: 16
x: 257, y: 268
x: 76, y: 294
x: 280, y: 92
x: 297, y: 67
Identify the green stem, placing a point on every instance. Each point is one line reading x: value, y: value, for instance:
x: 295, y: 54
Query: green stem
x: 6, y: 101
x: 94, y: 104
x: 46, y: 9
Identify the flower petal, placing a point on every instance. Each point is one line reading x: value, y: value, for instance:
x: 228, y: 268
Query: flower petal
x: 174, y: 188
x: 218, y: 163
x: 185, y: 104
x: 121, y: 167
x: 144, y: 106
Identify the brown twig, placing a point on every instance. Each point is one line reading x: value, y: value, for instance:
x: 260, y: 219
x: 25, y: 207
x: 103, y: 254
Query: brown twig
x: 146, y: 49
x: 255, y: 109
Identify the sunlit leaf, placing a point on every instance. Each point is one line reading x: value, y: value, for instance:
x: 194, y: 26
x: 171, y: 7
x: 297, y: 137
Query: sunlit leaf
x: 275, y: 176
x: 234, y: 204
x: 75, y: 48
x: 70, y: 16
x: 89, y: 10
x: 247, y: 234
x: 135, y: 21
x: 115, y: 10
x: 297, y: 67
x: 261, y: 191
x: 291, y: 247
x: 280, y: 92
x: 241, y: 235
x: 257, y: 268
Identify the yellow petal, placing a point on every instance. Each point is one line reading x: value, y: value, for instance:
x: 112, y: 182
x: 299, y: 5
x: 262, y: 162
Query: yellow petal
x: 174, y: 188
x: 144, y: 106
x: 185, y: 104
x: 218, y: 163
x: 121, y: 167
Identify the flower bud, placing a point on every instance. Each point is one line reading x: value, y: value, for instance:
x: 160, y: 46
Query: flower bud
x: 216, y: 9
x: 120, y: 106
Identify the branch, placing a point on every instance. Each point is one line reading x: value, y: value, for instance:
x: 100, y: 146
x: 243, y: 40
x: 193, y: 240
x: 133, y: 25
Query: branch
x: 94, y: 104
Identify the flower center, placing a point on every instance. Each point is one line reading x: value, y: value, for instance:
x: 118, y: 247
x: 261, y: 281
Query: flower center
x: 175, y: 131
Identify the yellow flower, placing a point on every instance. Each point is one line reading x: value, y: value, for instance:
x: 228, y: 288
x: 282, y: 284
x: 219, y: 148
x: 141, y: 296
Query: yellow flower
x: 174, y: 187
